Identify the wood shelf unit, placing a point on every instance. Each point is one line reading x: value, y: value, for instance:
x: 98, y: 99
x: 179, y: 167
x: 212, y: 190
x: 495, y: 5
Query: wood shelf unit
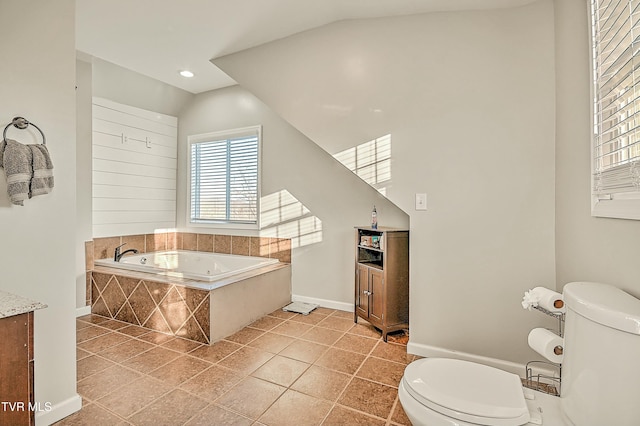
x: 382, y: 278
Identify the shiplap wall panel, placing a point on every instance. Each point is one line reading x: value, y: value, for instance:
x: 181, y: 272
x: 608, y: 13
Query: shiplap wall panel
x: 134, y: 169
x: 120, y: 180
x: 121, y: 192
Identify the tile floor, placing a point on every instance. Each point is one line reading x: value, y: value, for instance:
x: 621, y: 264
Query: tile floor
x: 284, y: 369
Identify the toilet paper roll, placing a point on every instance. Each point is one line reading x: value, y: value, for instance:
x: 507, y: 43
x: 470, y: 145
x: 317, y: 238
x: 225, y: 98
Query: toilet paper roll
x: 546, y: 343
x: 549, y: 299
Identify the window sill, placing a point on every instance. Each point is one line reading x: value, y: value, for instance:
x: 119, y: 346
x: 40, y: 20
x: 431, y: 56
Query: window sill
x: 617, y: 208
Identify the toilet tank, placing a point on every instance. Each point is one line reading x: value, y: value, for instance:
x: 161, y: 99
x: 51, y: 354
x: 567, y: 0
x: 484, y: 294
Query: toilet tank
x: 601, y: 365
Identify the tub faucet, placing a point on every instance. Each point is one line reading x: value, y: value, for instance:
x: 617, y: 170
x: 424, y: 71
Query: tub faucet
x: 117, y: 255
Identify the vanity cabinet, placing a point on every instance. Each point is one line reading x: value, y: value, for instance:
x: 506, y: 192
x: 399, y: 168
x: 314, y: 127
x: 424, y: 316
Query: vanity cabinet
x: 16, y: 370
x: 382, y: 278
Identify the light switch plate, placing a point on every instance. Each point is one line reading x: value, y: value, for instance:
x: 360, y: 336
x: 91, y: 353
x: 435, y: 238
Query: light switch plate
x: 421, y: 201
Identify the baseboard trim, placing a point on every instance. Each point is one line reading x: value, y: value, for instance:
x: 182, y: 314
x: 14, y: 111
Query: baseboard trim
x: 331, y: 304
x: 82, y: 311
x: 58, y: 411
x: 428, y: 351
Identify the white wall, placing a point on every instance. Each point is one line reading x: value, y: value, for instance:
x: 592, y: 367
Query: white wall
x: 468, y: 98
x: 128, y: 87
x: 291, y: 162
x: 38, y: 253
x: 588, y: 248
x: 84, y: 204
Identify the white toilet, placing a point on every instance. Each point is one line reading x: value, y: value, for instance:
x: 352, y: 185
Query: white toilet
x: 600, y: 374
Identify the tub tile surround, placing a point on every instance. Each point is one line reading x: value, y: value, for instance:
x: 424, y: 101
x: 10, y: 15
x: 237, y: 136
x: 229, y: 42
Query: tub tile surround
x: 162, y: 307
x: 265, y: 374
x: 274, y: 248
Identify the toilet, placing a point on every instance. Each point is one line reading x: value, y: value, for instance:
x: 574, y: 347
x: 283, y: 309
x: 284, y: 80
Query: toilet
x: 600, y: 374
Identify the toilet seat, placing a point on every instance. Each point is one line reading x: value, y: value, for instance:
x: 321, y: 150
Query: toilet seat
x: 467, y: 391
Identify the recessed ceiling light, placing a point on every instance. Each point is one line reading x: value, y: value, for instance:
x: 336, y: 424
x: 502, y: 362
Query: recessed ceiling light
x: 186, y: 73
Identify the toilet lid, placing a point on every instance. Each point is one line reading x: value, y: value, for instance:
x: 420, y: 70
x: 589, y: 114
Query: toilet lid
x: 468, y: 391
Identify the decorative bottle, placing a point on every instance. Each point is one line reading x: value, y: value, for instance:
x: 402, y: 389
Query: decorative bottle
x: 374, y: 218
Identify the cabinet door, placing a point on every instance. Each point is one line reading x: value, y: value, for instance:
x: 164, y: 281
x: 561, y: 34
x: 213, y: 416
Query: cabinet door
x: 362, y: 290
x: 376, y: 301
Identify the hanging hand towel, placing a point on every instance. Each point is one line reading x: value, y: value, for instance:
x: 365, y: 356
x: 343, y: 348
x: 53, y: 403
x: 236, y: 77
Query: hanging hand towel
x: 42, y: 180
x: 16, y: 159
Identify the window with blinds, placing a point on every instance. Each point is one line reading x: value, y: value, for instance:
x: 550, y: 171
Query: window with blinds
x: 224, y: 177
x: 616, y: 75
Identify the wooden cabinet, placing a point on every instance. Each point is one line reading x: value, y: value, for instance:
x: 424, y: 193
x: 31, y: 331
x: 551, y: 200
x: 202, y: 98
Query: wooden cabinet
x: 16, y: 370
x: 382, y: 278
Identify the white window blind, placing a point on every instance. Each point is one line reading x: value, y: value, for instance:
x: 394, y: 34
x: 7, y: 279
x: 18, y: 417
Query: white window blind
x: 616, y: 62
x: 225, y: 177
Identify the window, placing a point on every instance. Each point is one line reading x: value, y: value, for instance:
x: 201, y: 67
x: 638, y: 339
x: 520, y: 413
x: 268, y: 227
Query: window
x: 616, y: 108
x: 225, y: 178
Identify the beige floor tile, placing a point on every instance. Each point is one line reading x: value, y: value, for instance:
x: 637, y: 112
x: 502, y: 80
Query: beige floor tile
x: 304, y: 351
x: 369, y: 397
x: 251, y: 397
x: 91, y: 365
x: 383, y: 371
x: 89, y: 332
x: 126, y: 350
x: 322, y: 383
x: 246, y: 360
x: 212, y: 382
x: 340, y: 416
x: 245, y: 335
x: 174, y: 408
x: 106, y: 381
x: 292, y: 329
x: 216, y: 415
x: 103, y: 342
x: 294, y: 409
x: 181, y: 345
x: 363, y: 328
x: 93, y: 318
x: 339, y: 360
x: 321, y: 335
x: 325, y: 311
x: 279, y: 313
x: 336, y: 323
x: 343, y: 314
x: 280, y: 370
x: 392, y: 352
x: 214, y: 353
x: 266, y: 323
x: 133, y: 330
x: 134, y: 396
x: 353, y: 343
x: 155, y: 337
x: 93, y: 415
x: 80, y: 354
x: 112, y: 324
x: 81, y: 324
x: 312, y: 319
x: 150, y: 360
x: 272, y: 342
x: 179, y: 370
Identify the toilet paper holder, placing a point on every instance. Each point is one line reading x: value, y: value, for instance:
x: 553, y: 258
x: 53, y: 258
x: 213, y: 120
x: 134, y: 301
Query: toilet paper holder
x: 558, y: 315
x: 542, y: 381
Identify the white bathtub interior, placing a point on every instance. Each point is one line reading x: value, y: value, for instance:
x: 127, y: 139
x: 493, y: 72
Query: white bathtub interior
x: 187, y: 264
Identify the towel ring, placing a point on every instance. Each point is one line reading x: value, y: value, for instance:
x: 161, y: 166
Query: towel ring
x: 22, y: 123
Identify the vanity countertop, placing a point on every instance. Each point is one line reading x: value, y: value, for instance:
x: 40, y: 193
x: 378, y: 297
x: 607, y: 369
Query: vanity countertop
x: 11, y: 305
